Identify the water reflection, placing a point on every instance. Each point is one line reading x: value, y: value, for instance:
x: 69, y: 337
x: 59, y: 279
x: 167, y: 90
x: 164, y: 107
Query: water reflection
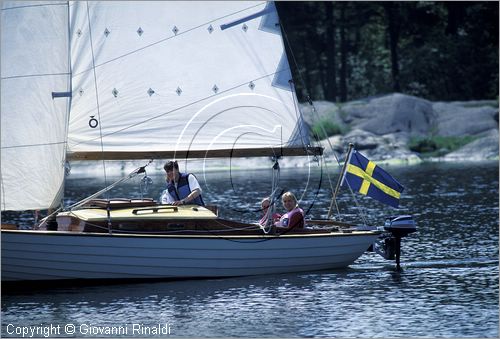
x: 448, y: 287
x: 337, y: 303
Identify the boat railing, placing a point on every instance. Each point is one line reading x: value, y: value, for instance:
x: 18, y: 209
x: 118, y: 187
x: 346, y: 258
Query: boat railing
x: 118, y: 203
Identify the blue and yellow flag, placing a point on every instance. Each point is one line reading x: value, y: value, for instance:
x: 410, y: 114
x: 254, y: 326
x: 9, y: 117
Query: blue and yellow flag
x: 364, y: 176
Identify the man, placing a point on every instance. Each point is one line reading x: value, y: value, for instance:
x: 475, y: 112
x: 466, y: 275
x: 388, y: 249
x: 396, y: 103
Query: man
x: 182, y: 188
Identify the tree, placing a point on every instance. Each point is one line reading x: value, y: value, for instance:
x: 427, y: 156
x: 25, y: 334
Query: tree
x: 393, y: 13
x: 331, y: 47
x: 350, y: 50
x: 343, y: 52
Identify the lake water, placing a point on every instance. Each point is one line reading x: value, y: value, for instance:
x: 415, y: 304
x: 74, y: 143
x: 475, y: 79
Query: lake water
x: 448, y: 286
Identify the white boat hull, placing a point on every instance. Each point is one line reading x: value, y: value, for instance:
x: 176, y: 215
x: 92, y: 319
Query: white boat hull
x: 56, y: 255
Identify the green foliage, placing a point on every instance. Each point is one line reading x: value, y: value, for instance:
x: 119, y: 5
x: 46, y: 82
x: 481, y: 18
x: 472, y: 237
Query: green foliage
x: 327, y: 126
x: 438, y: 145
x: 445, y: 51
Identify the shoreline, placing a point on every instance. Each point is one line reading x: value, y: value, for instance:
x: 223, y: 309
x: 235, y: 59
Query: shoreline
x: 95, y: 170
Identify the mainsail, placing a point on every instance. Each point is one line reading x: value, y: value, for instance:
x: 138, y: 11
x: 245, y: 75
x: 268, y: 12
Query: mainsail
x: 130, y: 80
x: 34, y: 63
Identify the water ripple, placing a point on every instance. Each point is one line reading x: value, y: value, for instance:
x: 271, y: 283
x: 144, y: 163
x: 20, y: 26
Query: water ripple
x: 448, y: 286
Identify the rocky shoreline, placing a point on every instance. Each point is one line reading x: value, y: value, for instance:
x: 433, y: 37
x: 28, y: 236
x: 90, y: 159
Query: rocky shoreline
x: 381, y: 127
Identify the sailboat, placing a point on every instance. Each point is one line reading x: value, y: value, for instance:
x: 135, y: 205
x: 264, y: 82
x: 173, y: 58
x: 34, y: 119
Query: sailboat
x: 114, y: 80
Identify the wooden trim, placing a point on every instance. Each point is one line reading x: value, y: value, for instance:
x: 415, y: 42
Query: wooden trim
x: 9, y: 227
x: 200, y: 154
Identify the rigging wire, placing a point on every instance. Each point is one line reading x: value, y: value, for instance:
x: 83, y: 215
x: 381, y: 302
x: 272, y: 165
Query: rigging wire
x: 257, y: 239
x: 144, y: 184
x: 96, y: 93
x: 131, y: 175
x: 316, y: 115
x: 300, y: 118
x: 272, y: 200
x: 66, y: 164
x: 339, y: 215
x: 308, y: 97
x: 298, y: 113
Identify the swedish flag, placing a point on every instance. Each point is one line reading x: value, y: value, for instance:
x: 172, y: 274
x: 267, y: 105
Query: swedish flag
x: 367, y: 178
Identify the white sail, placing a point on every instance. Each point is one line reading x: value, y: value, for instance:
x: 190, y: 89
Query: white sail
x: 87, y: 79
x: 179, y: 76
x: 34, y: 63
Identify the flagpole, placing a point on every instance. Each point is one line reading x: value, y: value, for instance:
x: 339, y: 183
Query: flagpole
x: 341, y: 177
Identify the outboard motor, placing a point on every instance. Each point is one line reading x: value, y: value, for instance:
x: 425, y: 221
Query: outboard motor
x: 389, y: 243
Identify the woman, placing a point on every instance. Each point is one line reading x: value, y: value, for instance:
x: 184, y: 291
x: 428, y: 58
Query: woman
x: 294, y: 217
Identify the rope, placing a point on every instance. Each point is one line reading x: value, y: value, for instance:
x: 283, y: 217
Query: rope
x: 208, y: 231
x: 145, y: 182
x: 106, y: 228
x: 298, y: 113
x: 272, y: 203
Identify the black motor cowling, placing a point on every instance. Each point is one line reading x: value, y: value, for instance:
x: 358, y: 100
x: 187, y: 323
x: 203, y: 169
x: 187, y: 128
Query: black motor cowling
x: 389, y: 243
x: 401, y: 225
